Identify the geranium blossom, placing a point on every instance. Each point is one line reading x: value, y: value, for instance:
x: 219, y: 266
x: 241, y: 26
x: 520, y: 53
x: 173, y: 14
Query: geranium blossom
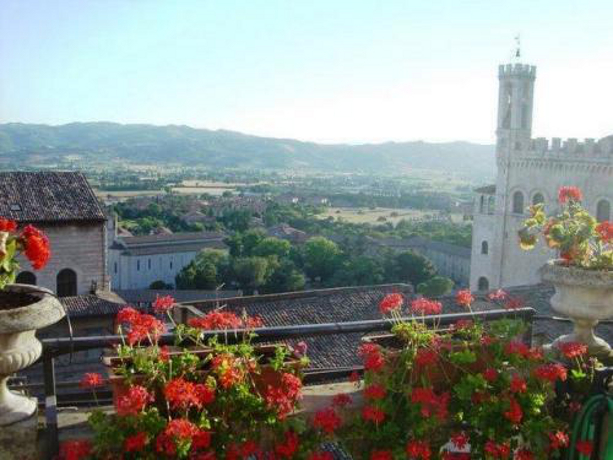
x: 283, y: 398
x: 497, y: 295
x: 327, y: 420
x: 341, y: 400
x: 523, y: 454
x: 558, y: 440
x: 75, y: 449
x: 391, y: 302
x: 136, y: 443
x: 518, y: 384
x: 585, y: 448
x: 464, y: 298
x: 495, y: 450
x: 381, y: 455
x: 216, y: 320
x: 182, y: 394
x: 289, y: 446
x: 374, y: 391
x: 371, y: 356
x: 424, y: 306
x: 460, y: 440
x: 605, y: 231
x: 91, y: 380
x: 36, y: 246
x: 134, y: 401
x: 572, y: 349
x: 163, y: 304
x: 418, y: 450
x: 7, y: 225
x: 551, y: 372
x: 514, y: 414
x: 373, y: 414
x: 431, y: 403
x: 490, y: 374
x: 426, y: 357
x: 569, y: 193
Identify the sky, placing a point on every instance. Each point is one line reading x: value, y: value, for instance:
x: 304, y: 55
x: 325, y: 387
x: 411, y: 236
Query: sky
x: 326, y: 71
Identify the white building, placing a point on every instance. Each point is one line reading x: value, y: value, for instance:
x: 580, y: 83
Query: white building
x: 63, y: 205
x: 530, y: 171
x: 136, y: 262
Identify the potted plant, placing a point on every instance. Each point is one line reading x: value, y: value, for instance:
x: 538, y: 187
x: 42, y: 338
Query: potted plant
x: 23, y: 310
x: 583, y: 275
x: 204, y: 402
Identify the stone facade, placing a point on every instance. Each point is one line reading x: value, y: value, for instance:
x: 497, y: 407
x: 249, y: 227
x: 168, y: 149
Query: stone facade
x: 529, y: 171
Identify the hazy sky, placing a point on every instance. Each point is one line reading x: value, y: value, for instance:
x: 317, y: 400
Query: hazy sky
x: 330, y: 70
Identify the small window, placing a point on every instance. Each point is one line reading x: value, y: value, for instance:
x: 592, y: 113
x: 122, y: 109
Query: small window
x: 148, y: 264
x: 66, y: 283
x: 483, y: 284
x: 491, y: 204
x: 603, y: 211
x: 482, y: 205
x: 518, y: 203
x: 171, y: 264
x: 484, y: 247
x: 15, y: 207
x: 115, y: 267
x: 138, y: 265
x: 538, y: 198
x: 26, y: 278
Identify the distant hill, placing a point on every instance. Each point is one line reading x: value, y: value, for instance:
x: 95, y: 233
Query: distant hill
x: 227, y: 149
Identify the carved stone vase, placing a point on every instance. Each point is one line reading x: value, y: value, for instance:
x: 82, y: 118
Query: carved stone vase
x: 19, y: 346
x: 586, y: 297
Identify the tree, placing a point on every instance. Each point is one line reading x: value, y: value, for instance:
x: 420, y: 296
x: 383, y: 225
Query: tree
x: 251, y: 272
x: 237, y: 219
x: 160, y: 285
x: 286, y: 278
x: 435, y: 287
x: 320, y: 258
x: 272, y: 246
x: 410, y: 267
x: 359, y: 271
x: 208, y: 270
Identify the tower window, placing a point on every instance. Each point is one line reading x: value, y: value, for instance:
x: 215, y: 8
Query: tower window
x: 26, y: 278
x: 603, y: 211
x: 482, y: 205
x: 138, y: 265
x: 518, y: 203
x: 538, y: 198
x: 483, y: 284
x: 484, y: 247
x: 115, y: 267
x: 491, y: 204
x: 148, y: 264
x: 66, y: 283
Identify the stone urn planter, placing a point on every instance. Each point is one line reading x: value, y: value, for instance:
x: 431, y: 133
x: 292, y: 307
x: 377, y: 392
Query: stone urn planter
x: 586, y: 297
x: 23, y: 310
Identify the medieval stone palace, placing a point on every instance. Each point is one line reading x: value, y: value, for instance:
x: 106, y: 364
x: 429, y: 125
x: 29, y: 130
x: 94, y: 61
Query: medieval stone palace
x: 530, y: 170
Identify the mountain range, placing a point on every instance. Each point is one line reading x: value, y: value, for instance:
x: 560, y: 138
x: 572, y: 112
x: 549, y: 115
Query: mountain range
x: 139, y: 143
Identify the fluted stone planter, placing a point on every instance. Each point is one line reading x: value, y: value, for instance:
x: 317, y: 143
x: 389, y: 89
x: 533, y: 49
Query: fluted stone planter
x: 19, y: 346
x: 586, y: 297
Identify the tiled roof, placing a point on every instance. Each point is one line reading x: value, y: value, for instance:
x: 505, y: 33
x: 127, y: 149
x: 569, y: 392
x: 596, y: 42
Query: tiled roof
x: 136, y: 296
x: 168, y: 244
x: 90, y: 305
x: 172, y: 238
x: 487, y: 190
x: 175, y: 248
x: 48, y: 197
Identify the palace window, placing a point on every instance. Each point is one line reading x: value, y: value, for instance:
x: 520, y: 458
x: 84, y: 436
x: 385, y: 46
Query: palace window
x: 482, y: 205
x: 538, y: 198
x: 483, y: 284
x: 491, y: 204
x: 66, y: 283
x: 484, y: 247
x: 518, y: 203
x: 138, y: 265
x: 148, y: 264
x: 26, y: 278
x: 603, y: 211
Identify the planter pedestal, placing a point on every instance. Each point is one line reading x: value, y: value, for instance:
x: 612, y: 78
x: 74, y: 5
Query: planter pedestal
x: 19, y: 347
x: 584, y: 296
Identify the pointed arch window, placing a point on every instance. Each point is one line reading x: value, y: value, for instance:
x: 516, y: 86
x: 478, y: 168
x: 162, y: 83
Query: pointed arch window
x: 66, y: 283
x: 603, y: 211
x: 518, y: 203
x: 538, y: 198
x: 484, y: 247
x: 483, y: 284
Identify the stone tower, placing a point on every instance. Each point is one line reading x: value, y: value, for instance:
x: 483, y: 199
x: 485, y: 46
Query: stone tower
x: 530, y: 171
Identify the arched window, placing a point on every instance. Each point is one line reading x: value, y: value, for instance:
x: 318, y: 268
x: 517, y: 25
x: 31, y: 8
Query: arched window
x: 538, y: 198
x: 483, y: 284
x: 484, y: 247
x: 26, y: 278
x: 482, y: 205
x: 66, y: 283
x: 491, y: 204
x: 603, y: 211
x: 518, y: 203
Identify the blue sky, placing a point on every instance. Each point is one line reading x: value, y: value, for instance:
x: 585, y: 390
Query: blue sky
x: 328, y: 71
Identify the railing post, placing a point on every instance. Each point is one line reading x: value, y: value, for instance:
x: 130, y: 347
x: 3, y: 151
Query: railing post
x: 50, y: 406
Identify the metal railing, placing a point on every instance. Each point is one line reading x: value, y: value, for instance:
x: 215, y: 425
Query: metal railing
x: 54, y: 348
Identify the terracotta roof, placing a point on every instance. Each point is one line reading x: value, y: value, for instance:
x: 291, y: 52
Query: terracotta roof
x: 136, y: 296
x: 172, y: 238
x: 48, y: 197
x: 90, y: 305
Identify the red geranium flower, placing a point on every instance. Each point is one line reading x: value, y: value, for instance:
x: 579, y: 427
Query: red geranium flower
x: 75, y: 449
x: 497, y: 295
x: 7, y: 225
x: 216, y: 320
x: 558, y: 440
x: 201, y: 440
x: 426, y: 357
x: 371, y: 356
x: 289, y: 446
x: 134, y: 401
x: 283, y: 398
x: 374, y: 391
x: 569, y: 193
x: 605, y: 231
x: 418, y: 450
x: 327, y: 420
x: 551, y: 372
x: 381, y: 455
x: 523, y: 454
x: 518, y: 384
x: 341, y: 400
x: 91, y: 380
x: 572, y: 349
x: 182, y: 394
x: 127, y: 315
x: 424, y: 306
x: 464, y: 298
x: 163, y: 304
x: 136, y: 443
x: 181, y: 429
x: 431, y: 403
x: 36, y: 246
x: 514, y: 414
x: 494, y: 450
x: 373, y: 414
x: 490, y: 375
x: 460, y: 440
x: 585, y: 448
x: 390, y: 303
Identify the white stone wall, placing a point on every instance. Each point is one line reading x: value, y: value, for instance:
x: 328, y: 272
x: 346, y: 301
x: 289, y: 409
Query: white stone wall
x: 78, y: 247
x: 138, y: 272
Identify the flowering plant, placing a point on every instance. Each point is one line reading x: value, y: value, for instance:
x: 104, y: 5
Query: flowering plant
x: 211, y: 400
x: 30, y: 242
x: 577, y: 236
x: 472, y: 391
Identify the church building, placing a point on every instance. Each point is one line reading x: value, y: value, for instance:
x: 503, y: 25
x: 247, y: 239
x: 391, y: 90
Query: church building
x: 530, y: 170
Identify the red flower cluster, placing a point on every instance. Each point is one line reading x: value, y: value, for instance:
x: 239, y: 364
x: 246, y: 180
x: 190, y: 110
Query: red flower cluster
x: 141, y: 325
x: 551, y: 372
x: 464, y: 298
x: 327, y: 420
x: 424, y: 306
x: 7, y: 225
x: 497, y: 295
x: 431, y: 403
x: 569, y: 193
x: 374, y: 391
x: 426, y: 357
x: 558, y: 440
x: 381, y: 455
x: 373, y: 414
x: 371, y: 356
x: 523, y: 454
x: 605, y: 231
x: 75, y: 450
x: 136, y: 443
x: 283, y: 398
x: 341, y: 400
x: 134, y: 401
x: 91, y: 380
x: 494, y: 450
x: 585, y: 448
x: 460, y: 440
x: 163, y: 304
x: 514, y: 414
x: 36, y: 246
x: 179, y: 430
x: 182, y: 394
x: 289, y: 446
x: 518, y: 384
x: 514, y: 303
x: 390, y: 303
x: 228, y: 369
x: 517, y: 348
x: 490, y: 374
x: 418, y: 450
x: 217, y: 320
x: 572, y: 349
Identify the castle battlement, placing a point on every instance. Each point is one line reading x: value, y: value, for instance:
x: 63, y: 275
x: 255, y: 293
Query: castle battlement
x: 572, y: 147
x: 516, y: 70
